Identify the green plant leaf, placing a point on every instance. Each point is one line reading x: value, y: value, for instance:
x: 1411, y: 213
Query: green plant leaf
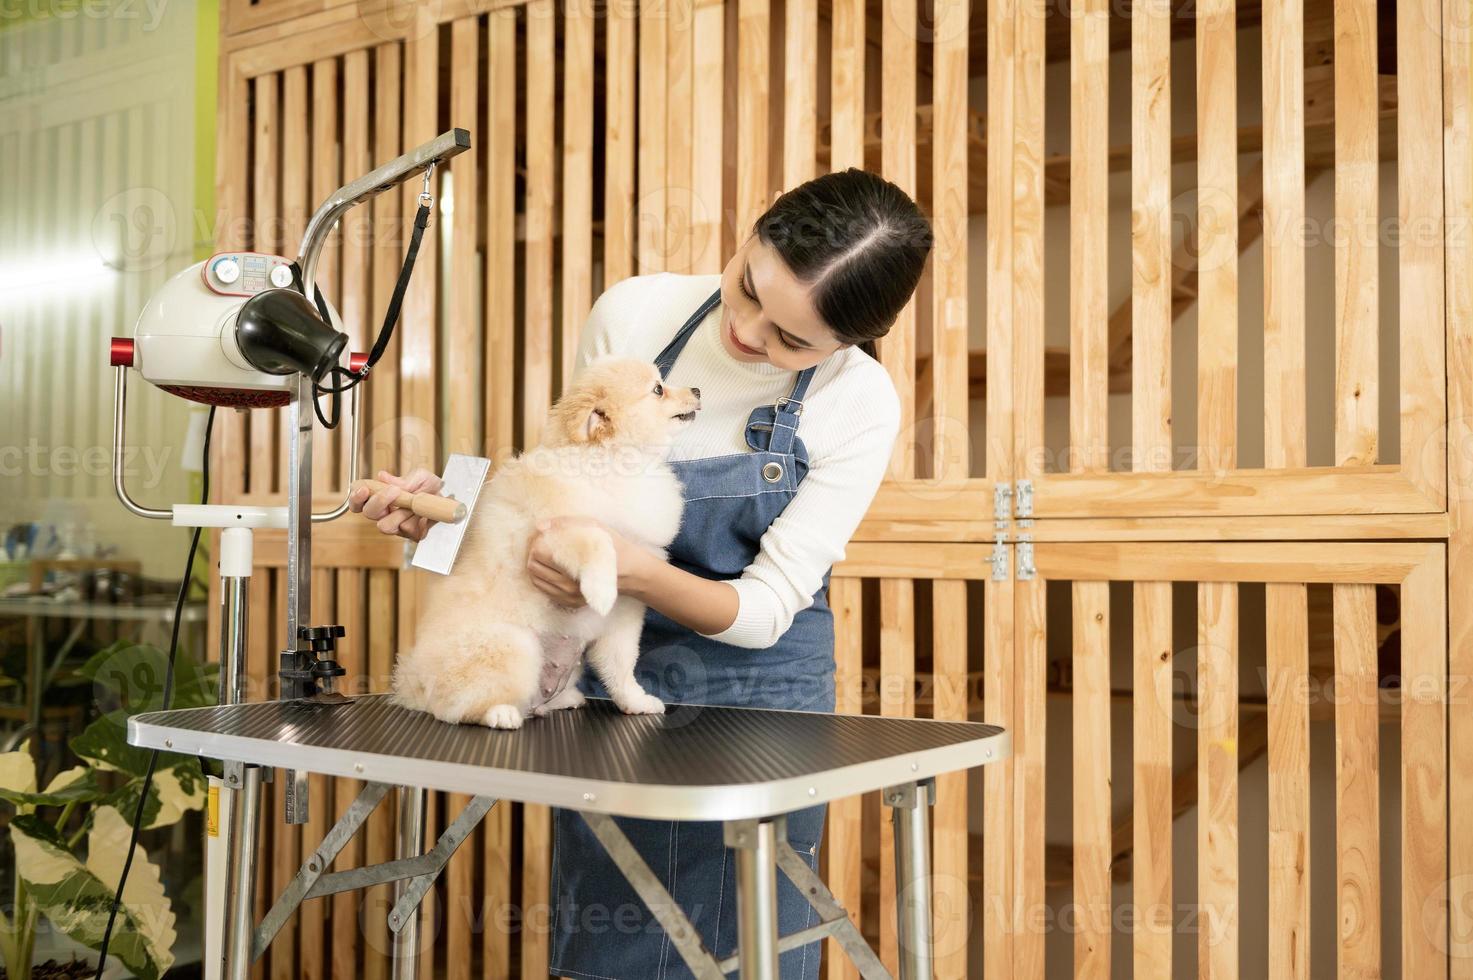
x: 76, y: 785
x: 104, y: 744
x: 77, y: 897
x: 134, y: 673
x: 18, y: 770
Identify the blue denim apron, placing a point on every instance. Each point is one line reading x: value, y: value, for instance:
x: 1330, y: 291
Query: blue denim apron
x: 601, y: 929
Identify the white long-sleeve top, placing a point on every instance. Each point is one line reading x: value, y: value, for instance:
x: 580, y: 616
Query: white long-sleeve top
x: 850, y: 418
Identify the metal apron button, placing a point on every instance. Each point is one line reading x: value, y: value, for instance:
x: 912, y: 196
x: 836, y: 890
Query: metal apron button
x: 772, y: 472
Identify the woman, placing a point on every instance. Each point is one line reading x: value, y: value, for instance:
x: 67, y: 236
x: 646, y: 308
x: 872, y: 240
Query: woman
x: 796, y: 428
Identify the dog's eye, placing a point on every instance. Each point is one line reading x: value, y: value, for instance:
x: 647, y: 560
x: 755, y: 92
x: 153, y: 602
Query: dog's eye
x: 659, y: 390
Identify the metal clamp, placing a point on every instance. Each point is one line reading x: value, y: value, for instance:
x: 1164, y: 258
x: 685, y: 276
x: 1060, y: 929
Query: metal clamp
x: 999, y: 558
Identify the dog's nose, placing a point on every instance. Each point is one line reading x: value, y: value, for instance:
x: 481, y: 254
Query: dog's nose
x: 697, y: 393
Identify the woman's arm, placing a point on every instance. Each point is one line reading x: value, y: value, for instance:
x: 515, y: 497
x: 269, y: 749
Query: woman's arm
x: 701, y: 604
x: 797, y: 550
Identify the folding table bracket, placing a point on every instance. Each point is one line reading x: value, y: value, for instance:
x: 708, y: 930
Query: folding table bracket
x: 313, y: 880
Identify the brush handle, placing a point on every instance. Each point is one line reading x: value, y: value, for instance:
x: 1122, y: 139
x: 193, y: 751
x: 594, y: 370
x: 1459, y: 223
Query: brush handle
x: 431, y: 505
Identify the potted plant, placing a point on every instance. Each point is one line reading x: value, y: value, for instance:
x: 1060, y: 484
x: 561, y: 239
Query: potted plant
x: 71, y: 837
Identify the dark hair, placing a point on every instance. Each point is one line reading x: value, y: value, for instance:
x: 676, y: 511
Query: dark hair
x: 859, y: 240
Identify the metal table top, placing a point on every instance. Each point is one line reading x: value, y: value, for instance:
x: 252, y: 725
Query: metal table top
x: 696, y: 762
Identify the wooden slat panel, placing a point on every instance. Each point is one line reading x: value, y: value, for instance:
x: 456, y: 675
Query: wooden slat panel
x: 460, y: 907
x: 897, y: 700
x: 1357, y: 783
x: 845, y: 821
x: 1356, y: 275
x: 1217, y: 779
x: 1089, y: 220
x: 1458, y: 187
x: 286, y: 839
x: 1030, y: 750
x: 321, y: 806
x: 650, y: 208
x: 1420, y: 250
x: 949, y: 341
x: 679, y: 64
x: 898, y: 165
x: 382, y: 445
x: 295, y: 188
x: 1028, y: 269
x: 1287, y: 561
x: 463, y: 431
x: 266, y: 211
x: 800, y: 92
x: 999, y: 893
x: 418, y: 353
x: 379, y: 842
x: 326, y: 178
x: 496, y: 935
x: 536, y: 855
x: 577, y: 203
x: 1150, y: 238
x: 619, y: 143
x: 998, y: 782
x: 1151, y: 786
x: 261, y: 672
x: 846, y: 80
x: 1424, y: 772
x: 753, y: 38
x: 708, y: 127
x: 1217, y: 236
x: 347, y: 937
x: 1287, y: 617
x: 1093, y: 843
x: 357, y: 308
x: 500, y: 278
x: 1284, y: 437
x: 541, y: 106
x: 952, y: 924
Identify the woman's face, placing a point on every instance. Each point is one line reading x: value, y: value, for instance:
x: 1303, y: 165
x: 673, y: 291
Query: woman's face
x: 767, y: 315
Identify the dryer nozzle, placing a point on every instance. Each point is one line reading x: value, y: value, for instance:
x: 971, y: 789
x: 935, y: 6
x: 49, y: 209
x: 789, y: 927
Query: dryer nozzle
x: 280, y: 332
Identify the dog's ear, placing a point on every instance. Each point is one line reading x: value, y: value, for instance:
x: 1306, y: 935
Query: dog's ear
x: 596, y: 426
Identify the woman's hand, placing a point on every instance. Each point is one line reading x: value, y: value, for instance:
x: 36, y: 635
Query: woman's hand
x: 562, y: 588
x: 379, y: 507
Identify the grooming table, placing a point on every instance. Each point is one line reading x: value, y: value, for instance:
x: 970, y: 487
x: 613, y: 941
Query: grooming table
x: 746, y: 767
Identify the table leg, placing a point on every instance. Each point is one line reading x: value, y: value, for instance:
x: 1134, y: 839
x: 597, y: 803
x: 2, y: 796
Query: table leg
x: 410, y: 844
x: 240, y: 878
x: 912, y: 803
x: 755, y: 843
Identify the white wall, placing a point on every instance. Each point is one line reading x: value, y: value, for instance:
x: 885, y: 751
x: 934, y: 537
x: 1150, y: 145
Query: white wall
x: 96, y: 196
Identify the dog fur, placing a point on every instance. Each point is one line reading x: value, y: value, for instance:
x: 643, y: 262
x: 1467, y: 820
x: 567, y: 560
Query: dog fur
x: 487, y: 632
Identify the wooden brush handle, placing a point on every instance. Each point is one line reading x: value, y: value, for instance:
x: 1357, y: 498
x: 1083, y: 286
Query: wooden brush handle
x: 431, y: 505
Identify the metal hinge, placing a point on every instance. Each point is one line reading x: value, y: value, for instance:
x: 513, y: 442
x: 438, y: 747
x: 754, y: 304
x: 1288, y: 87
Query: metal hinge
x: 1026, y: 569
x: 1002, y: 503
x: 999, y: 559
x: 1025, y: 498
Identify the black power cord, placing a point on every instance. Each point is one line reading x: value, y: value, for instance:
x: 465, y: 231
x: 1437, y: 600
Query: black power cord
x: 153, y: 757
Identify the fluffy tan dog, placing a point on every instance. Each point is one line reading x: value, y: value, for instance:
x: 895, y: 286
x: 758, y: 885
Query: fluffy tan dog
x: 490, y: 648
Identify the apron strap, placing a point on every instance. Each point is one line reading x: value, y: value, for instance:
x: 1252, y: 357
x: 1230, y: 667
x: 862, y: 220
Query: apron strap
x: 666, y: 360
x: 786, y: 412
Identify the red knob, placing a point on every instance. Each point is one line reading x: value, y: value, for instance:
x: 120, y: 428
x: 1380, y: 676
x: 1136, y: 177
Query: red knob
x: 356, y: 361
x: 121, y: 352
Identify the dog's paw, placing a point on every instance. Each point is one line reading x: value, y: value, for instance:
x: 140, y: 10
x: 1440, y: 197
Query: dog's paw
x: 568, y: 697
x: 503, y: 716
x: 637, y: 702
x: 600, y: 591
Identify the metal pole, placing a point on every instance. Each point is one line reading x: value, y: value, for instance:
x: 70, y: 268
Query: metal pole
x: 240, y: 878
x: 298, y: 556
x: 756, y: 853
x: 233, y: 898
x: 410, y: 844
x: 912, y: 805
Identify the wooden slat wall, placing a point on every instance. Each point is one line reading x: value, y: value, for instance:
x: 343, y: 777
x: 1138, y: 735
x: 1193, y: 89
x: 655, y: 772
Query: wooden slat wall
x: 602, y: 145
